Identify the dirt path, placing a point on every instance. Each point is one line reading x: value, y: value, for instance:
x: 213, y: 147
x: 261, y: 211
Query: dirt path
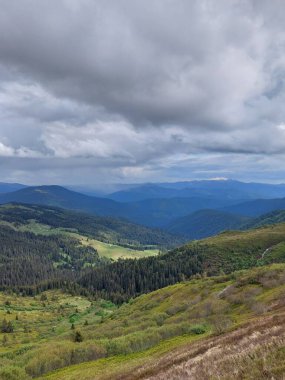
x: 266, y: 251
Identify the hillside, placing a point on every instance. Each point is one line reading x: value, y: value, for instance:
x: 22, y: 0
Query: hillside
x: 46, y: 247
x: 204, y: 223
x: 31, y: 262
x: 205, y: 326
x: 136, y: 319
x: 106, y: 229
x: 224, y: 253
x: 77, y: 255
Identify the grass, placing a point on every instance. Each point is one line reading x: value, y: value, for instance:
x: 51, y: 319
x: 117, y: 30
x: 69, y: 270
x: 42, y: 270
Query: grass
x: 115, y: 252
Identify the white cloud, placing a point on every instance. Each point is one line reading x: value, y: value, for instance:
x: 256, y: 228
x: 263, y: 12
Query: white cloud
x: 146, y: 89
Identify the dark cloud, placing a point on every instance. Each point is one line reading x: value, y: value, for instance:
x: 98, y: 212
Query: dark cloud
x: 140, y: 88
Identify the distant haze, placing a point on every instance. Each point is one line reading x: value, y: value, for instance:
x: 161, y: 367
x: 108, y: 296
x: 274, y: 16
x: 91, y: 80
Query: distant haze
x: 120, y: 91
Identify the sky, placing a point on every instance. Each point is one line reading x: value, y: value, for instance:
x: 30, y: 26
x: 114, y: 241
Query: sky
x: 123, y: 91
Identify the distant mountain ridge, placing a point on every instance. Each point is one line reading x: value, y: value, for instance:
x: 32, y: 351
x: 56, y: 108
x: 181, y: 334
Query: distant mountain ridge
x: 55, y: 195
x: 226, y: 189
x: 9, y: 187
x: 162, y: 212
x: 150, y: 212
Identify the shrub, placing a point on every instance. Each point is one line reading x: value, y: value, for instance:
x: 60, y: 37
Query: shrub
x: 13, y: 373
x: 7, y: 327
x: 220, y: 323
x: 198, y: 329
x: 57, y: 355
x: 160, y: 318
x: 78, y: 337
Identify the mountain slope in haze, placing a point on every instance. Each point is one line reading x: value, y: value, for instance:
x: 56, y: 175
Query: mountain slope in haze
x: 256, y: 207
x: 273, y: 217
x: 215, y: 189
x: 160, y: 212
x: 61, y: 197
x: 9, y: 187
x: 152, y: 212
x: 204, y: 223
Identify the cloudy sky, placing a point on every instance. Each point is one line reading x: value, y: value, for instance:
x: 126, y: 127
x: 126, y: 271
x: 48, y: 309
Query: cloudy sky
x: 98, y: 91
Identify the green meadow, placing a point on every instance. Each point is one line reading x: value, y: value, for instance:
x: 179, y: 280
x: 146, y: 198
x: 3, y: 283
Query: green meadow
x: 108, y: 250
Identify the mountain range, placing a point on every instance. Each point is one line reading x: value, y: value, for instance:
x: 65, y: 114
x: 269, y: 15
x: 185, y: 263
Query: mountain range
x: 214, y: 189
x: 150, y: 212
x: 190, y: 209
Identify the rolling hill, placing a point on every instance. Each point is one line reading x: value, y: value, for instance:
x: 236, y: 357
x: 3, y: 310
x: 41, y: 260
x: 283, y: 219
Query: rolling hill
x: 205, y: 223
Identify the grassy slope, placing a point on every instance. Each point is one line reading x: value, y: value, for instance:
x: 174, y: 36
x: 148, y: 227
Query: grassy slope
x: 139, y: 334
x: 234, y: 250
x: 244, y: 303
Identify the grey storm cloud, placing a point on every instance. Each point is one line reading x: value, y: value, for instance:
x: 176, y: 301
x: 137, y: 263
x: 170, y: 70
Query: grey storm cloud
x: 140, y: 89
